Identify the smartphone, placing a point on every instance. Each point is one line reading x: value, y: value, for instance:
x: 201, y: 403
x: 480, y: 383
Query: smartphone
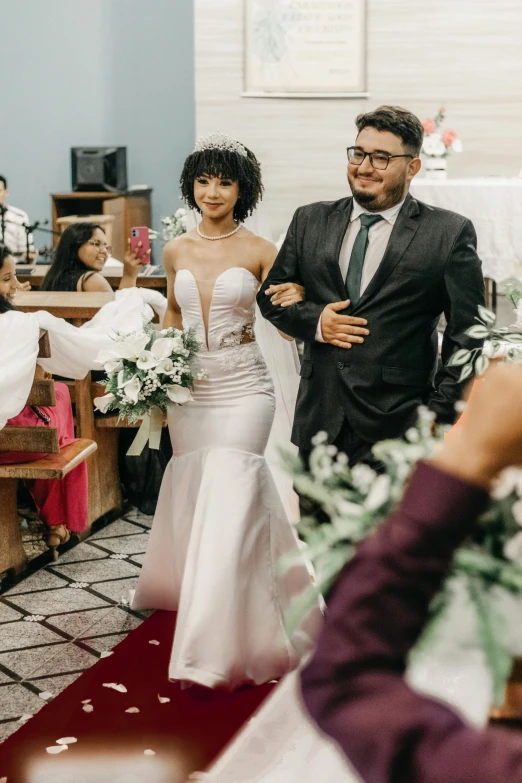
x: 140, y: 234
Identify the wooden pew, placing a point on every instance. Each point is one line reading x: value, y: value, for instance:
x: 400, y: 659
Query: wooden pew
x: 34, y: 274
x: 54, y: 465
x: 76, y: 307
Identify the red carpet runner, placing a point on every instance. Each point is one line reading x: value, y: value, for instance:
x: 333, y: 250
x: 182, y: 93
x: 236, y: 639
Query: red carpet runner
x: 185, y: 733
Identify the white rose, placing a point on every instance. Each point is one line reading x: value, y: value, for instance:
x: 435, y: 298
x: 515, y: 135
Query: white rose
x: 433, y: 145
x: 513, y: 549
x: 179, y: 394
x: 146, y: 360
x: 162, y: 347
x: 103, y: 403
x: 457, y: 146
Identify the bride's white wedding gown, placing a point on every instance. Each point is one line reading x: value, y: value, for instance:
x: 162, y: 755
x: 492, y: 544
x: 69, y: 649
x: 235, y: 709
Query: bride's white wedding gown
x: 220, y: 527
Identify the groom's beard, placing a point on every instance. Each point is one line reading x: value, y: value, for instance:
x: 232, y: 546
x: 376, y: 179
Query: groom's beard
x: 390, y: 195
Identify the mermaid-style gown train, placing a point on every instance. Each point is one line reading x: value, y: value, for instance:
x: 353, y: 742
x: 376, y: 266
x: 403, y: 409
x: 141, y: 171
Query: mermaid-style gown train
x: 220, y: 527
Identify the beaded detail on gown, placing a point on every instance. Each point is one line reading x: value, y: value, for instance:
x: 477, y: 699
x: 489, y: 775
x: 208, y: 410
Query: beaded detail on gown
x: 220, y: 527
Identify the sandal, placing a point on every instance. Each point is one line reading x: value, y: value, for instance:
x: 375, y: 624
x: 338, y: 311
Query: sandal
x: 55, y: 537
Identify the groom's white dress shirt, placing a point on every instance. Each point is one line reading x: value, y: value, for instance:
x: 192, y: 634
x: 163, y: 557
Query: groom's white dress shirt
x: 378, y: 237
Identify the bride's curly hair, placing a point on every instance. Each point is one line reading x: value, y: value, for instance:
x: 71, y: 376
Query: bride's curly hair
x: 213, y: 162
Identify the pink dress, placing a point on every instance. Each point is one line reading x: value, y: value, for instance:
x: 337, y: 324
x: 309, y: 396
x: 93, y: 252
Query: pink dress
x: 59, y: 501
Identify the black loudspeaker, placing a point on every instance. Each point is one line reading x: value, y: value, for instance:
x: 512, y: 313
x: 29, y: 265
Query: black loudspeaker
x: 99, y: 168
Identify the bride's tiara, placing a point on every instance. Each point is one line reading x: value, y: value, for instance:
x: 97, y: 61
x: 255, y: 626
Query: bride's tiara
x: 219, y: 141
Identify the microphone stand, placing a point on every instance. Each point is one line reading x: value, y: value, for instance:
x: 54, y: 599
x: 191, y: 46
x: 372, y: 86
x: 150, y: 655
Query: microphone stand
x: 28, y: 228
x: 3, y: 210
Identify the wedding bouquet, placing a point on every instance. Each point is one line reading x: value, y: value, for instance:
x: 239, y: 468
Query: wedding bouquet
x: 438, y: 143
x: 147, y: 372
x: 357, y: 500
x: 173, y: 226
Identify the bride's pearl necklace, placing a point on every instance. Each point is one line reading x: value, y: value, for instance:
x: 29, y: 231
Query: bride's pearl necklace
x: 223, y: 236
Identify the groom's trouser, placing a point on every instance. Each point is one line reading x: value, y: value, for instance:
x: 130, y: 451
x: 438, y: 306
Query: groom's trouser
x: 357, y: 450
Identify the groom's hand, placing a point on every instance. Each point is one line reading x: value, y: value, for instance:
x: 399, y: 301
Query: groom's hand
x: 341, y: 330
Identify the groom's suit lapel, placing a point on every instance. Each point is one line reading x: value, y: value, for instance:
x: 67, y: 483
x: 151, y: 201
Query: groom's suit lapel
x: 403, y: 232
x: 337, y: 225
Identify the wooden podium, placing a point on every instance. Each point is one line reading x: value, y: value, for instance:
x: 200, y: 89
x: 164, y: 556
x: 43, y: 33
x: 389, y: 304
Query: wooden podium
x: 128, y: 209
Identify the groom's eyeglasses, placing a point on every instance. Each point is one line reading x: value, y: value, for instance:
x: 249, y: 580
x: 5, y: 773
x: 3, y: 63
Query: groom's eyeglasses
x: 379, y: 160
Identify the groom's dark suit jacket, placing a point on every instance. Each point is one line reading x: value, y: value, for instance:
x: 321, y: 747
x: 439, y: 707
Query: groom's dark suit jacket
x: 430, y: 267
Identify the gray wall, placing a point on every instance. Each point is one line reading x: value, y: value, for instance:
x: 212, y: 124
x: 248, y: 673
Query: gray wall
x: 95, y: 72
x: 464, y: 54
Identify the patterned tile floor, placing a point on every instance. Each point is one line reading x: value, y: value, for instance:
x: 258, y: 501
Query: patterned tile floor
x: 57, y: 622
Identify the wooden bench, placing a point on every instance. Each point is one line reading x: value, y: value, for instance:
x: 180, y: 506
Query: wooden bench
x: 56, y: 464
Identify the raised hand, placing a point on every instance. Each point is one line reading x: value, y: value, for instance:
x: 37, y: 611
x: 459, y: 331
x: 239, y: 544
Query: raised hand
x: 285, y: 294
x: 489, y: 435
x: 342, y: 330
x: 131, y: 263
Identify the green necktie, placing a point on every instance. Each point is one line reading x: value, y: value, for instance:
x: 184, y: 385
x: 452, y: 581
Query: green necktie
x: 355, y: 267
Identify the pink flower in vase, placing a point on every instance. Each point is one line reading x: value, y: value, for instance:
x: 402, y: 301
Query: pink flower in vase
x: 429, y: 126
x: 448, y: 137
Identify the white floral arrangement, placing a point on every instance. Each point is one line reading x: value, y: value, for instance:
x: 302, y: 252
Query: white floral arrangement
x: 500, y: 342
x: 357, y: 500
x: 147, y: 373
x: 438, y: 143
x: 173, y: 226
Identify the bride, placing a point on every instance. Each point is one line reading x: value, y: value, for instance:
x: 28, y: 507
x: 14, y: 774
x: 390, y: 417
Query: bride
x: 220, y: 527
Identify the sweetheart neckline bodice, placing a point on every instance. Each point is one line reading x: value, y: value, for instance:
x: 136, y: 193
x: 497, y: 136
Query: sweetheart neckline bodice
x: 231, y: 311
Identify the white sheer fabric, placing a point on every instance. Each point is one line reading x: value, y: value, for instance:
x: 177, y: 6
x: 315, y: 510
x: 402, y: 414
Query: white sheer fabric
x: 281, y: 744
x: 18, y: 351
x: 73, y: 350
x: 220, y: 528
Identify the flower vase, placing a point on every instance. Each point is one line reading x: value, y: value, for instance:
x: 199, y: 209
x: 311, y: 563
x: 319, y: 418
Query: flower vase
x: 436, y: 167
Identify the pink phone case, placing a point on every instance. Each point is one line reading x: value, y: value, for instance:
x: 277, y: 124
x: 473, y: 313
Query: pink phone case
x: 140, y: 234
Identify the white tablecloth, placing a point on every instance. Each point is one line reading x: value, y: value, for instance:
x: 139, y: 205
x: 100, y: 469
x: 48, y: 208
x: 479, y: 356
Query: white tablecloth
x: 494, y: 204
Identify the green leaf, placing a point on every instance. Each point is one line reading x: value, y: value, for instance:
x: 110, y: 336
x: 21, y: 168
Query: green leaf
x: 478, y: 332
x: 437, y: 611
x: 466, y: 372
x: 481, y: 364
x: 461, y: 356
x: 513, y: 337
x: 493, y: 636
x: 486, y: 315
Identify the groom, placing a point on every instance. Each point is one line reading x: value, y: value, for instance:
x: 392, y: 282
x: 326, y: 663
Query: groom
x: 378, y: 268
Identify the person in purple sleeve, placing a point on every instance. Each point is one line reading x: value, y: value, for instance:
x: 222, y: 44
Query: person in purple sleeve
x: 354, y: 685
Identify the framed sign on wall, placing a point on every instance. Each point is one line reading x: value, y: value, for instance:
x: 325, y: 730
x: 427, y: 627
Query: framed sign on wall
x: 305, y: 48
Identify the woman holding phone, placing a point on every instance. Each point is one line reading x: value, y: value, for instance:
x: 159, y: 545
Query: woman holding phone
x: 80, y: 257
x: 78, y: 263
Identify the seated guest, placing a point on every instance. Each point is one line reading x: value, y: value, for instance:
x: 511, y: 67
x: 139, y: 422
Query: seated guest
x: 354, y: 685
x: 13, y: 221
x: 61, y: 504
x: 80, y: 257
